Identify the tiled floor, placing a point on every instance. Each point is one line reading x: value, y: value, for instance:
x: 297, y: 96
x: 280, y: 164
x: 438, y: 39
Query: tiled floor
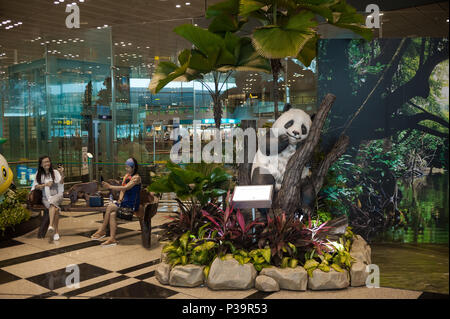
x: 34, y: 268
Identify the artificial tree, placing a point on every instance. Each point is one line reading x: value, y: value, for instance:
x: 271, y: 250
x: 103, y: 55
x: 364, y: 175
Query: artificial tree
x: 288, y: 28
x: 216, y: 50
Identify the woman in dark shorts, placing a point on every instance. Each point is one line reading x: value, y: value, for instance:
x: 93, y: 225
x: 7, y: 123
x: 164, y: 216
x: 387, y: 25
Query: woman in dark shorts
x: 129, y: 197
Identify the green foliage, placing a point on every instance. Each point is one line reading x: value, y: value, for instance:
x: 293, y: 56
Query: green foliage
x: 351, y: 176
x: 192, y: 182
x: 197, y: 187
x: 188, y: 249
x: 260, y: 258
x: 21, y: 195
x: 337, y: 258
x: 294, y: 25
x: 324, y: 216
x: 219, y: 52
x: 282, y: 234
x: 11, y: 211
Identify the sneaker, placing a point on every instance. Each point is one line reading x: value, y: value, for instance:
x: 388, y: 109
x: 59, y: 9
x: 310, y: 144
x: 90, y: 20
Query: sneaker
x: 51, y: 232
x: 56, y: 237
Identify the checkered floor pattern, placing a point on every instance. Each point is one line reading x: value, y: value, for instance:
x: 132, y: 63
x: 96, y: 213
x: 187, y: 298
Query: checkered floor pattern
x: 33, y: 268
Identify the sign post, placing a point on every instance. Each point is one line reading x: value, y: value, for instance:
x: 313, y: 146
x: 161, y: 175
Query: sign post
x: 253, y: 196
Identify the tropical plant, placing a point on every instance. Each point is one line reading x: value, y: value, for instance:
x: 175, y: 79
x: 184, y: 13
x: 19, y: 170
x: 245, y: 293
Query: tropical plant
x: 288, y: 28
x: 194, y: 191
x: 260, y: 258
x: 21, y: 195
x: 231, y: 227
x: 282, y: 234
x: 190, y: 184
x: 216, y: 50
x: 189, y: 249
x: 336, y: 255
x: 12, y: 212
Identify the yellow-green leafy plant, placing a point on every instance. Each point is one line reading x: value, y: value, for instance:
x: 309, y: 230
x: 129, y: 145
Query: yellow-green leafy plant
x: 338, y: 256
x: 12, y: 212
x: 190, y: 249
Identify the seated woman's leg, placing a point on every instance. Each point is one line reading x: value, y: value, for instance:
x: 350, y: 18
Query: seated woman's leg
x: 56, y: 220
x: 101, y: 232
x: 51, y: 215
x: 112, y: 227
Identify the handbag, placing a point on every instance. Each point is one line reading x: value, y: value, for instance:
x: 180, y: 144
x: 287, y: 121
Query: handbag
x: 35, y: 197
x: 125, y: 213
x: 96, y: 201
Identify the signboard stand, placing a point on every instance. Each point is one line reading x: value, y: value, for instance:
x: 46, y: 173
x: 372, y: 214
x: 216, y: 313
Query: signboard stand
x: 253, y: 196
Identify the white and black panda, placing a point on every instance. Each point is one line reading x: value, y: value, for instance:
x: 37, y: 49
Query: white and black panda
x: 293, y: 128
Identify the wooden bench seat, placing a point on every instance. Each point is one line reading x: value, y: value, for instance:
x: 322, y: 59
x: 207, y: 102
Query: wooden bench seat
x: 148, y: 208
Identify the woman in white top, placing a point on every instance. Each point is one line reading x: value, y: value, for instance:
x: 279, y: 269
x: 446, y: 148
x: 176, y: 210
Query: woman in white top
x: 51, y: 182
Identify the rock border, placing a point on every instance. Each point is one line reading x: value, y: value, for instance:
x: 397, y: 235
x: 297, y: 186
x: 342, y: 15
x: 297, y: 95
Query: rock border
x: 229, y: 274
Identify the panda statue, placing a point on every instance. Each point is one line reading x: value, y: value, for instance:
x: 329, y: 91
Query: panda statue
x: 290, y: 132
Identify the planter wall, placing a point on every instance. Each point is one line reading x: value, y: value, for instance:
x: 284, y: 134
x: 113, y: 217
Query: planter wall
x: 229, y: 274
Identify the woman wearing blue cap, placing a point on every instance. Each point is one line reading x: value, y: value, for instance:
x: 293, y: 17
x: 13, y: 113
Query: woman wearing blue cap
x: 128, y: 199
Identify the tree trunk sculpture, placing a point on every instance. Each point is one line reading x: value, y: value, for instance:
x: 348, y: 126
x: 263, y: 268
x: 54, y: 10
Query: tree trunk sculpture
x: 299, y: 194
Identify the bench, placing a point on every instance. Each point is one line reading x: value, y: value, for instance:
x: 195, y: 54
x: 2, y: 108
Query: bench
x: 148, y: 207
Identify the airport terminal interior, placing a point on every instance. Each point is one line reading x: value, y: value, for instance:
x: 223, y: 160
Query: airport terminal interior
x: 76, y: 82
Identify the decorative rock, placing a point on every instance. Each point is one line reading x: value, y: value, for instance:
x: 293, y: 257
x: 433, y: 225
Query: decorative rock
x: 186, y: 276
x: 229, y: 274
x: 358, y: 274
x: 288, y: 278
x: 162, y: 273
x: 328, y: 280
x: 266, y: 283
x: 360, y: 250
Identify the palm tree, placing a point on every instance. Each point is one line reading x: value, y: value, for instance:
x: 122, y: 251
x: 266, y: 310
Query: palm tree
x: 288, y: 28
x: 216, y: 50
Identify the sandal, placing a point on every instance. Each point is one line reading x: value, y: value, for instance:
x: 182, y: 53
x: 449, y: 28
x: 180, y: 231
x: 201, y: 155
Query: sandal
x: 109, y: 243
x: 97, y: 236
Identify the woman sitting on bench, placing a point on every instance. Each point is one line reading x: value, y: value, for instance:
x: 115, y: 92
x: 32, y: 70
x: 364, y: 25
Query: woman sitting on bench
x: 52, y: 182
x: 128, y: 200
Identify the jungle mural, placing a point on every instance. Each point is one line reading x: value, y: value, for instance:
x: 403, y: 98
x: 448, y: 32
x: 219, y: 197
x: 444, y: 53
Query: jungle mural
x: 392, y: 101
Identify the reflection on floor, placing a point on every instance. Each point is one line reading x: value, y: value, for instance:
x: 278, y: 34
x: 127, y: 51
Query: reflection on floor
x: 34, y: 268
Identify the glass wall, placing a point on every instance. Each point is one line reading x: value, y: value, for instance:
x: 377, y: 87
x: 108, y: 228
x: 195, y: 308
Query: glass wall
x: 65, y: 104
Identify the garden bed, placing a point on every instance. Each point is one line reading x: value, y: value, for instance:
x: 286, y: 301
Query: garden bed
x: 228, y: 273
x: 22, y: 228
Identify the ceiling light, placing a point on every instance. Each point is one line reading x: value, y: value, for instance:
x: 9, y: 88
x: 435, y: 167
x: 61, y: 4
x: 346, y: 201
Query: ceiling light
x: 178, y: 6
x: 188, y: 3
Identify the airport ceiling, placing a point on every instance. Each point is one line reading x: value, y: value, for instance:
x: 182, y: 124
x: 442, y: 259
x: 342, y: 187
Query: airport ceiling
x: 142, y: 29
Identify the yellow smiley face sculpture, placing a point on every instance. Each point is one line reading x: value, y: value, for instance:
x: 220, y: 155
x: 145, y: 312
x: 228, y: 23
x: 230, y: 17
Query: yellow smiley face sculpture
x: 6, y: 174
